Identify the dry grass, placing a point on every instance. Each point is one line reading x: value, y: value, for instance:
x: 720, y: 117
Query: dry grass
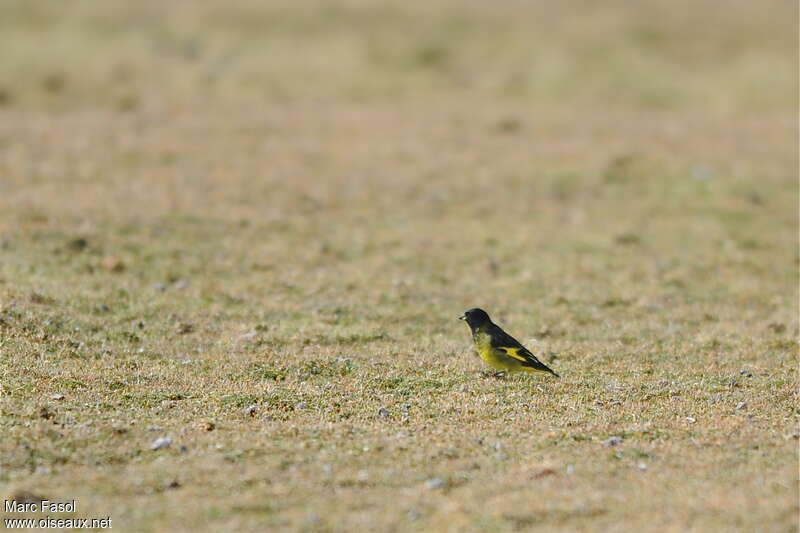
x: 204, y: 209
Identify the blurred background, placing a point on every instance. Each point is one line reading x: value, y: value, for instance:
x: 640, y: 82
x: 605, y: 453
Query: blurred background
x: 134, y: 56
x: 294, y: 135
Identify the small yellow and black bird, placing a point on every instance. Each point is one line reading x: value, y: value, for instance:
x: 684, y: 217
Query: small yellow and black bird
x: 499, y: 349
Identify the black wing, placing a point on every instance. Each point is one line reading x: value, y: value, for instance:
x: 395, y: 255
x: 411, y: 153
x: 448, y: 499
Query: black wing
x: 512, y: 347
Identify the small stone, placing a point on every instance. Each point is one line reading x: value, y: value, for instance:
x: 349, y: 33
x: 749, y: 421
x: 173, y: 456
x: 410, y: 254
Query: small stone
x: 168, y: 404
x: 77, y: 245
x: 185, y: 328
x: 509, y: 125
x: 746, y: 373
x: 434, y: 483
x: 127, y: 102
x: 248, y: 336
x: 627, y: 239
x: 57, y: 397
x: 777, y: 327
x: 641, y: 467
x: 612, y: 441
x: 161, y: 443
x: 251, y: 410
x: 299, y: 406
x: 691, y: 419
x: 174, y: 484
x: 37, y: 298
x: 544, y: 472
x: 208, y: 425
x: 26, y: 496
x: 570, y: 469
x: 54, y: 82
x: 702, y: 172
x: 180, y: 284
x: 383, y: 412
x: 113, y: 264
x: 741, y: 405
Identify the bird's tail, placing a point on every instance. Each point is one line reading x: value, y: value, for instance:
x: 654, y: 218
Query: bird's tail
x: 540, y: 367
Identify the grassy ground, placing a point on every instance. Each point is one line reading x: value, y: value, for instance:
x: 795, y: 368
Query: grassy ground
x: 250, y: 229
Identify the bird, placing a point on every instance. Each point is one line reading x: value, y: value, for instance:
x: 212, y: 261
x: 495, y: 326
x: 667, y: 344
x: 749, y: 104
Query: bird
x: 498, y: 349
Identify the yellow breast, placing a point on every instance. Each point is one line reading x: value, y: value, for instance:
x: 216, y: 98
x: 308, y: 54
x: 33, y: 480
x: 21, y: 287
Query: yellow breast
x: 494, y: 358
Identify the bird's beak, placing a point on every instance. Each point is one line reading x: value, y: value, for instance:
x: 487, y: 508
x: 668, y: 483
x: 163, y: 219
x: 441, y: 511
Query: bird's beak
x: 462, y: 317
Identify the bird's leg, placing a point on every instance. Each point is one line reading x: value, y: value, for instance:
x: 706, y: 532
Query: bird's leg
x: 500, y: 374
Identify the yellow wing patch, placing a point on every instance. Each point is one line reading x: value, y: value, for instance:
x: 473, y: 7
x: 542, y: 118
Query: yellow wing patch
x: 512, y: 352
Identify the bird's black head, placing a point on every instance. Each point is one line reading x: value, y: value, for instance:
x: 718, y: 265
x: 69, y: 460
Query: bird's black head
x: 476, y: 318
